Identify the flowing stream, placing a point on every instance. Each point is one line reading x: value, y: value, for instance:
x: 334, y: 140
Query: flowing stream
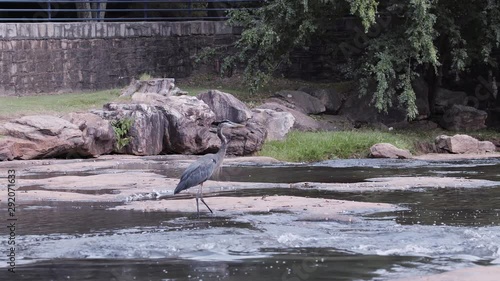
x: 435, y: 230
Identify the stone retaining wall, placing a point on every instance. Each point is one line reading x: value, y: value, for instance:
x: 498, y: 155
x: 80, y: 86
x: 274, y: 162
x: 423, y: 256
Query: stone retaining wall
x: 61, y: 57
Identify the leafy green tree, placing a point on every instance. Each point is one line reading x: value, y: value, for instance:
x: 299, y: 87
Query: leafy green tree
x: 399, y: 41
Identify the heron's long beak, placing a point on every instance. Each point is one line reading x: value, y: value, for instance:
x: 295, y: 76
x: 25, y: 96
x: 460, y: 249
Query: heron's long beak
x: 236, y: 125
x: 232, y: 124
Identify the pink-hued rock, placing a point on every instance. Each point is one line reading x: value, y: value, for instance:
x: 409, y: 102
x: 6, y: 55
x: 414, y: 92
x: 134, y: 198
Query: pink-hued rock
x: 226, y: 106
x: 302, y: 101
x: 460, y: 144
x: 39, y: 136
x: 277, y: 124
x: 302, y: 121
x: 387, y: 150
x: 98, y: 134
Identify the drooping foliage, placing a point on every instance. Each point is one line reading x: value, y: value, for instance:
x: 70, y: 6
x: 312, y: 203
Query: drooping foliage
x: 402, y: 40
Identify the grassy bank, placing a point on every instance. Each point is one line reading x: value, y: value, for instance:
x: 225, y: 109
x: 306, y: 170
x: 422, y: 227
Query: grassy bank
x: 53, y: 104
x: 309, y: 146
x: 317, y: 146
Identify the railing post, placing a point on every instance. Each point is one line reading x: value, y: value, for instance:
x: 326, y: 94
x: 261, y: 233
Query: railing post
x: 99, y: 11
x: 145, y: 5
x: 49, y: 13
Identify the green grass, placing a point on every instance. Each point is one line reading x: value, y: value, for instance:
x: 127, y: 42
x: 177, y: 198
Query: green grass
x: 145, y: 77
x: 317, y: 146
x: 487, y: 134
x: 46, y: 104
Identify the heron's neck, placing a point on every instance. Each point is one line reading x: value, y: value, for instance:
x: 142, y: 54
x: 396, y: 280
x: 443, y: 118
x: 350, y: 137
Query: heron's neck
x: 223, y: 140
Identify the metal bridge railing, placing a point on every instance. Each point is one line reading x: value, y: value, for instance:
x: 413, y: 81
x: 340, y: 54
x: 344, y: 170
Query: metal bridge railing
x: 115, y: 10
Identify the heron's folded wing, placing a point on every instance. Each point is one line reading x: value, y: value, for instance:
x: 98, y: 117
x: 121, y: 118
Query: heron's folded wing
x: 197, y: 173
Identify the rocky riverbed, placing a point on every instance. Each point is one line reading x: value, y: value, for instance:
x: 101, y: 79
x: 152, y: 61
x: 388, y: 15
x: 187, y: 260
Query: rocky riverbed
x: 432, y: 216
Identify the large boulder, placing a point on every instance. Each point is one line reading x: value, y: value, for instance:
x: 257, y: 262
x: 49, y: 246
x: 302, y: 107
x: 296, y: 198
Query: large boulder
x: 244, y: 141
x: 444, y: 99
x: 496, y: 142
x: 147, y: 130
x: 39, y: 136
x: 248, y: 140
x: 14, y: 148
x: 302, y: 101
x: 387, y: 150
x: 463, y: 118
x: 149, y: 98
x: 98, y: 134
x: 226, y: 106
x: 302, y: 122
x: 460, y: 144
x: 189, y: 123
x: 486, y: 146
x: 277, y: 124
x: 331, y: 98
x: 161, y: 86
x: 360, y: 110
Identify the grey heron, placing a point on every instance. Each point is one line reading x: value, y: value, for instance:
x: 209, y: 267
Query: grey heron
x: 203, y: 168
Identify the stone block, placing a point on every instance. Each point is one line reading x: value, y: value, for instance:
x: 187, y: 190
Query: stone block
x: 3, y: 31
x: 42, y: 30
x: 11, y: 30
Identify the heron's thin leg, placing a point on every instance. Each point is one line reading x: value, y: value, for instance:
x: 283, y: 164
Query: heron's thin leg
x: 197, y: 204
x: 201, y: 197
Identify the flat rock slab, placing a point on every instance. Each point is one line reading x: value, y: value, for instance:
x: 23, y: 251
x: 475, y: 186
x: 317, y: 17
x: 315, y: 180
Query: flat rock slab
x: 140, y: 185
x: 307, y: 208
